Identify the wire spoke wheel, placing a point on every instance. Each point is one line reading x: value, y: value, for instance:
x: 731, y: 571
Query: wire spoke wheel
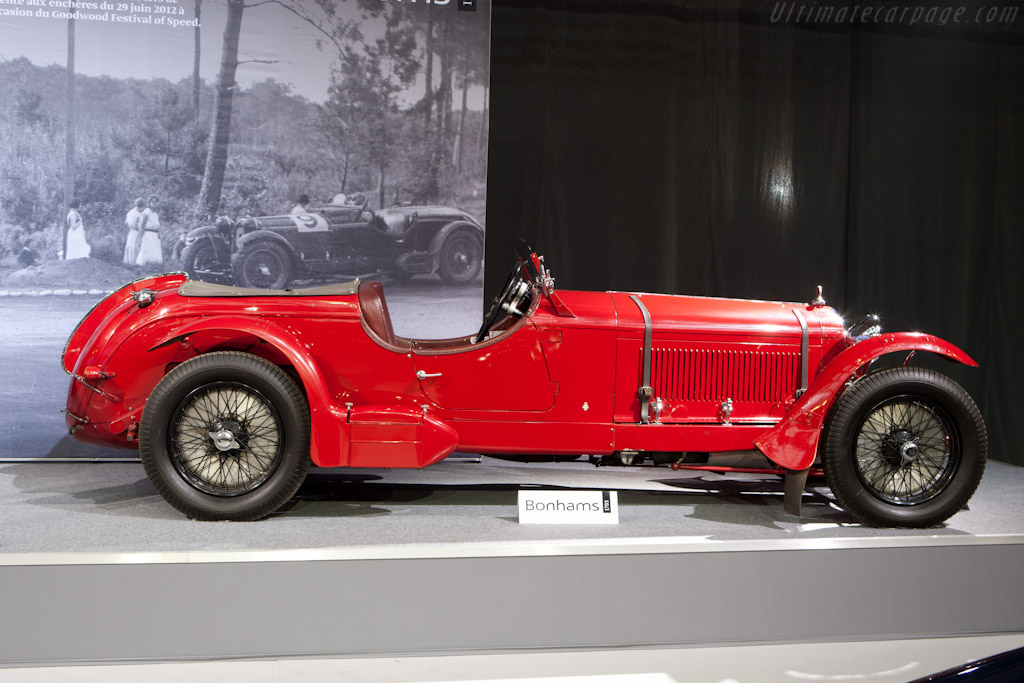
x: 226, y: 439
x: 906, y: 451
x: 460, y: 258
x: 201, y: 261
x: 263, y: 268
x: 904, y: 447
x: 263, y: 265
x: 225, y: 435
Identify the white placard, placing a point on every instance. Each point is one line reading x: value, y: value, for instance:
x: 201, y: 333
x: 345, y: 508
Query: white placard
x: 568, y: 507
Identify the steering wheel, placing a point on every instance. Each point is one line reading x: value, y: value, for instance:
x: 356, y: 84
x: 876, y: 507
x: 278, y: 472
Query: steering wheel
x: 507, y: 302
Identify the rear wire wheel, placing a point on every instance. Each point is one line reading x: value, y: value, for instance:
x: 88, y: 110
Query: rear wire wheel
x: 226, y: 436
x: 904, y: 447
x: 263, y: 265
x: 461, y: 258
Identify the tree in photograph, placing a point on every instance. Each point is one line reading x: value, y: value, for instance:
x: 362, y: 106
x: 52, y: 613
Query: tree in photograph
x: 220, y: 135
x: 462, y: 60
x: 470, y: 64
x: 69, y: 132
x: 321, y: 15
x: 363, y: 96
x: 197, y: 53
x: 482, y: 130
x: 171, y: 118
x: 33, y: 155
x: 428, y: 60
x: 337, y: 125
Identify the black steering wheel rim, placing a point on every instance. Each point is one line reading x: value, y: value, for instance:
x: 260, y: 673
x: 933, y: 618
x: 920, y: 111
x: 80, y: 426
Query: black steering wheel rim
x: 501, y: 302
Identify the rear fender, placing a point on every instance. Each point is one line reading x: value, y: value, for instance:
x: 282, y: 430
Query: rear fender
x: 442, y: 235
x: 329, y: 435
x: 104, y: 315
x: 793, y: 442
x: 268, y: 236
x: 221, y: 244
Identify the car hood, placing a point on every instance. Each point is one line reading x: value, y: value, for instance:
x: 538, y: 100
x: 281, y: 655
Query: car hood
x: 676, y: 316
x: 426, y: 212
x: 685, y: 315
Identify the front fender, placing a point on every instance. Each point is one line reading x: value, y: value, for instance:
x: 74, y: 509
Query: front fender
x: 328, y: 437
x: 793, y: 442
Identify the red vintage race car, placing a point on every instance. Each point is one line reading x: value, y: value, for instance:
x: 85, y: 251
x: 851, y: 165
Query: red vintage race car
x: 230, y: 393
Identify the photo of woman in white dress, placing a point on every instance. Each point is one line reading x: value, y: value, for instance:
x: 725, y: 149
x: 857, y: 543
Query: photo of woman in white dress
x: 131, y: 246
x: 149, y: 232
x: 78, y: 247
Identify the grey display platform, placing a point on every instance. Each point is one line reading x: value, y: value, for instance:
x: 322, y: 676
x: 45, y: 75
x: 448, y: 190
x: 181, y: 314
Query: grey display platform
x: 94, y: 566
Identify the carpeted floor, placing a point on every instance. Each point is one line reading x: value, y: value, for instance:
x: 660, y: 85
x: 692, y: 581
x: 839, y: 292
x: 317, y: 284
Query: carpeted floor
x: 110, y: 507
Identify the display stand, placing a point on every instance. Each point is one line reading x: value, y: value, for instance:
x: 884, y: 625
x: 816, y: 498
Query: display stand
x: 416, y: 598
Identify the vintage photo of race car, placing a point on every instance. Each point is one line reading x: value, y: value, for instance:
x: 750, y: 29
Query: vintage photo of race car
x: 336, y: 241
x: 231, y: 393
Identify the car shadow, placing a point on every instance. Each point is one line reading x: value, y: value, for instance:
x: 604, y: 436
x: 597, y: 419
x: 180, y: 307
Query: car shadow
x: 62, y: 485
x: 69, y: 449
x: 337, y: 493
x: 730, y: 501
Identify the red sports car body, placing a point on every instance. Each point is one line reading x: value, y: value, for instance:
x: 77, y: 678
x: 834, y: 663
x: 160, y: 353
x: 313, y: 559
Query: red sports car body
x: 230, y: 393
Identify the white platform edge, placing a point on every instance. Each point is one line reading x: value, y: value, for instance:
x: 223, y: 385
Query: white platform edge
x: 630, y: 546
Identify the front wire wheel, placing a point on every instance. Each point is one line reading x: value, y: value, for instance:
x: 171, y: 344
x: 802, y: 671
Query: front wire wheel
x: 226, y: 436
x: 904, y: 447
x: 907, y: 450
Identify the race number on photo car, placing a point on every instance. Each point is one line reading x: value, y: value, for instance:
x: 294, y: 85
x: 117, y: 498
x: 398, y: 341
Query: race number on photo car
x: 309, y: 222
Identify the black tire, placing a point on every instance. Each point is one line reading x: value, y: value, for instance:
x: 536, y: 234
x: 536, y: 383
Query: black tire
x: 460, y: 258
x: 259, y: 414
x: 263, y: 265
x: 904, y: 447
x: 199, y: 260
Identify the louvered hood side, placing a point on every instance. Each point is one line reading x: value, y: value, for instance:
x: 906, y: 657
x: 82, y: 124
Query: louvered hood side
x: 707, y: 354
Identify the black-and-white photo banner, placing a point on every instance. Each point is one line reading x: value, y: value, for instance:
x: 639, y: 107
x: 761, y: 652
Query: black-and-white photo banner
x: 270, y: 144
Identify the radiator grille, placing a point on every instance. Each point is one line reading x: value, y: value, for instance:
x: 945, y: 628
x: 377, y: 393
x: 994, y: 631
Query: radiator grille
x: 715, y: 375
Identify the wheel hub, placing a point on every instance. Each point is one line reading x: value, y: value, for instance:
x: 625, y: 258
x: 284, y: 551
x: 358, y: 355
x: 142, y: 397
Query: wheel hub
x: 908, y: 453
x: 900, y: 448
x: 224, y: 435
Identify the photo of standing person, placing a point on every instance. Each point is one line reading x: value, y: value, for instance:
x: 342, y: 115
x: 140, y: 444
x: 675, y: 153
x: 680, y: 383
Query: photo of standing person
x: 149, y: 234
x: 78, y: 246
x: 131, y: 245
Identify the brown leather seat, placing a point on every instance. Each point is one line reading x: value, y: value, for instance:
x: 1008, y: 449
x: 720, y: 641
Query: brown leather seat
x: 374, y: 311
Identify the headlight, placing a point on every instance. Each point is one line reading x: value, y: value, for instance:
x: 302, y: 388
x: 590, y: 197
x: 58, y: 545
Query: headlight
x: 865, y: 328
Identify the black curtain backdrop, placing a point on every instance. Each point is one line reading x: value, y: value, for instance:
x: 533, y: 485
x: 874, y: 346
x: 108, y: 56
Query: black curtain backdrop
x: 665, y: 146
